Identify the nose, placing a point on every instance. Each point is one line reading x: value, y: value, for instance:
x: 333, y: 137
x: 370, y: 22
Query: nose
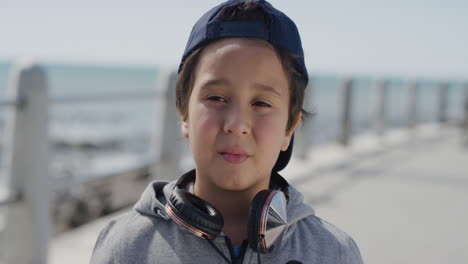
x: 237, y: 122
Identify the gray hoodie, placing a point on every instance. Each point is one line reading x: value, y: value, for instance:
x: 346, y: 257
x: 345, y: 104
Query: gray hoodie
x: 147, y: 235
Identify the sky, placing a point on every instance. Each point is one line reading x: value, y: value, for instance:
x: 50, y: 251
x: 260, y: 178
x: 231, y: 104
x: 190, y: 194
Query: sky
x: 412, y: 38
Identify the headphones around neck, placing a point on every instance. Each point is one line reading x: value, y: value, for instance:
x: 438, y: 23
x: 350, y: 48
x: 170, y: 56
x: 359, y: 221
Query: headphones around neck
x: 267, y: 215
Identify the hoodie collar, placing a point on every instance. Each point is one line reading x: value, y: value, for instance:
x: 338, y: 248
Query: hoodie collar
x: 156, y: 194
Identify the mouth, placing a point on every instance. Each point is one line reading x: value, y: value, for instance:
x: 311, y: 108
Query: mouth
x: 233, y: 157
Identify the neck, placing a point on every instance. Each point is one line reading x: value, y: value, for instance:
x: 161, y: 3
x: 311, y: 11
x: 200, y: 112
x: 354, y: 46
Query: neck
x: 234, y: 207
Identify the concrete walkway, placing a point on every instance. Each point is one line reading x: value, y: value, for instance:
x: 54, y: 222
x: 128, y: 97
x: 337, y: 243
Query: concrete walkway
x: 406, y: 203
x: 404, y: 200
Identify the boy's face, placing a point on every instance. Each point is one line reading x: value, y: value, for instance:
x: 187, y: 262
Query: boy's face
x: 237, y: 114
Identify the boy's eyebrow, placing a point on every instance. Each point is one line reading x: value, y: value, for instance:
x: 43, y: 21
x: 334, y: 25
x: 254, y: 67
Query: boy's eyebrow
x: 225, y: 82
x: 267, y: 88
x: 215, y: 82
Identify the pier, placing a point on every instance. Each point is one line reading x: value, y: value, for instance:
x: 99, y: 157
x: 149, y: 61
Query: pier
x: 400, y: 193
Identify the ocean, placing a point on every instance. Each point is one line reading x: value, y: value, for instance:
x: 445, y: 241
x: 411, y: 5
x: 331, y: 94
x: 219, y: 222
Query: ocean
x: 92, y: 138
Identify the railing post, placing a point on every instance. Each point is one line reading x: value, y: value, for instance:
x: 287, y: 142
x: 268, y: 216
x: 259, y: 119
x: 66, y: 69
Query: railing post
x: 443, y: 101
x: 465, y: 115
x: 26, y: 155
x: 381, y: 91
x: 346, y: 108
x: 412, y: 104
x: 167, y: 137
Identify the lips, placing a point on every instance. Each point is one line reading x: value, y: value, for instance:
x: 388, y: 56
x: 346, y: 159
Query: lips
x: 234, y: 156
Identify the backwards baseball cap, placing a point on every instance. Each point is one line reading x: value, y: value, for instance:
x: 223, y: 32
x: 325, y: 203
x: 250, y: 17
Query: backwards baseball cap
x: 279, y: 30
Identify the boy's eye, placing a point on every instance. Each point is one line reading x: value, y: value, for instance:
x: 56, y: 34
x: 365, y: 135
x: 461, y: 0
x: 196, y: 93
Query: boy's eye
x: 261, y: 104
x: 216, y: 98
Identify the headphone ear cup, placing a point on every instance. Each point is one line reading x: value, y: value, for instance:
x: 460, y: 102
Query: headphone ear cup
x: 194, y: 214
x: 255, y: 214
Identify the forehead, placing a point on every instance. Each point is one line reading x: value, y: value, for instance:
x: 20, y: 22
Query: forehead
x: 238, y: 47
x: 242, y: 61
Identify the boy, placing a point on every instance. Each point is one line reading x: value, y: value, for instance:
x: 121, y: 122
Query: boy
x: 239, y: 94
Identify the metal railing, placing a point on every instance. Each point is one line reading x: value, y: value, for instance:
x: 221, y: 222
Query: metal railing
x: 25, y: 157
x: 80, y: 98
x: 26, y: 146
x: 8, y: 199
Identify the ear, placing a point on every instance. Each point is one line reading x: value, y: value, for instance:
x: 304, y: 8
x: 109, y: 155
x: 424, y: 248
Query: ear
x: 290, y: 132
x: 183, y: 125
x: 184, y: 128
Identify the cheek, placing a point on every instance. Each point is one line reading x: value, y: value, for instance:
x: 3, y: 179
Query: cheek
x: 269, y: 137
x: 202, y: 124
x: 271, y: 130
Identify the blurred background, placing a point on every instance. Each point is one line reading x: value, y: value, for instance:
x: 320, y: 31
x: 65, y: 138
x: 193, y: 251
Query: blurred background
x: 121, y: 48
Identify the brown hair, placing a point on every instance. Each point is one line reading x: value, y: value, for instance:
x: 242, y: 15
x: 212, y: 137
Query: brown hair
x: 247, y: 11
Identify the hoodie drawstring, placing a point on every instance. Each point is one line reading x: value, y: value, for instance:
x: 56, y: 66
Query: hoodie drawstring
x: 258, y: 253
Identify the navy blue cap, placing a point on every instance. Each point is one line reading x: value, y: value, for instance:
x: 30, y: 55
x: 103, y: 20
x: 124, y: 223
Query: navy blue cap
x: 280, y: 31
